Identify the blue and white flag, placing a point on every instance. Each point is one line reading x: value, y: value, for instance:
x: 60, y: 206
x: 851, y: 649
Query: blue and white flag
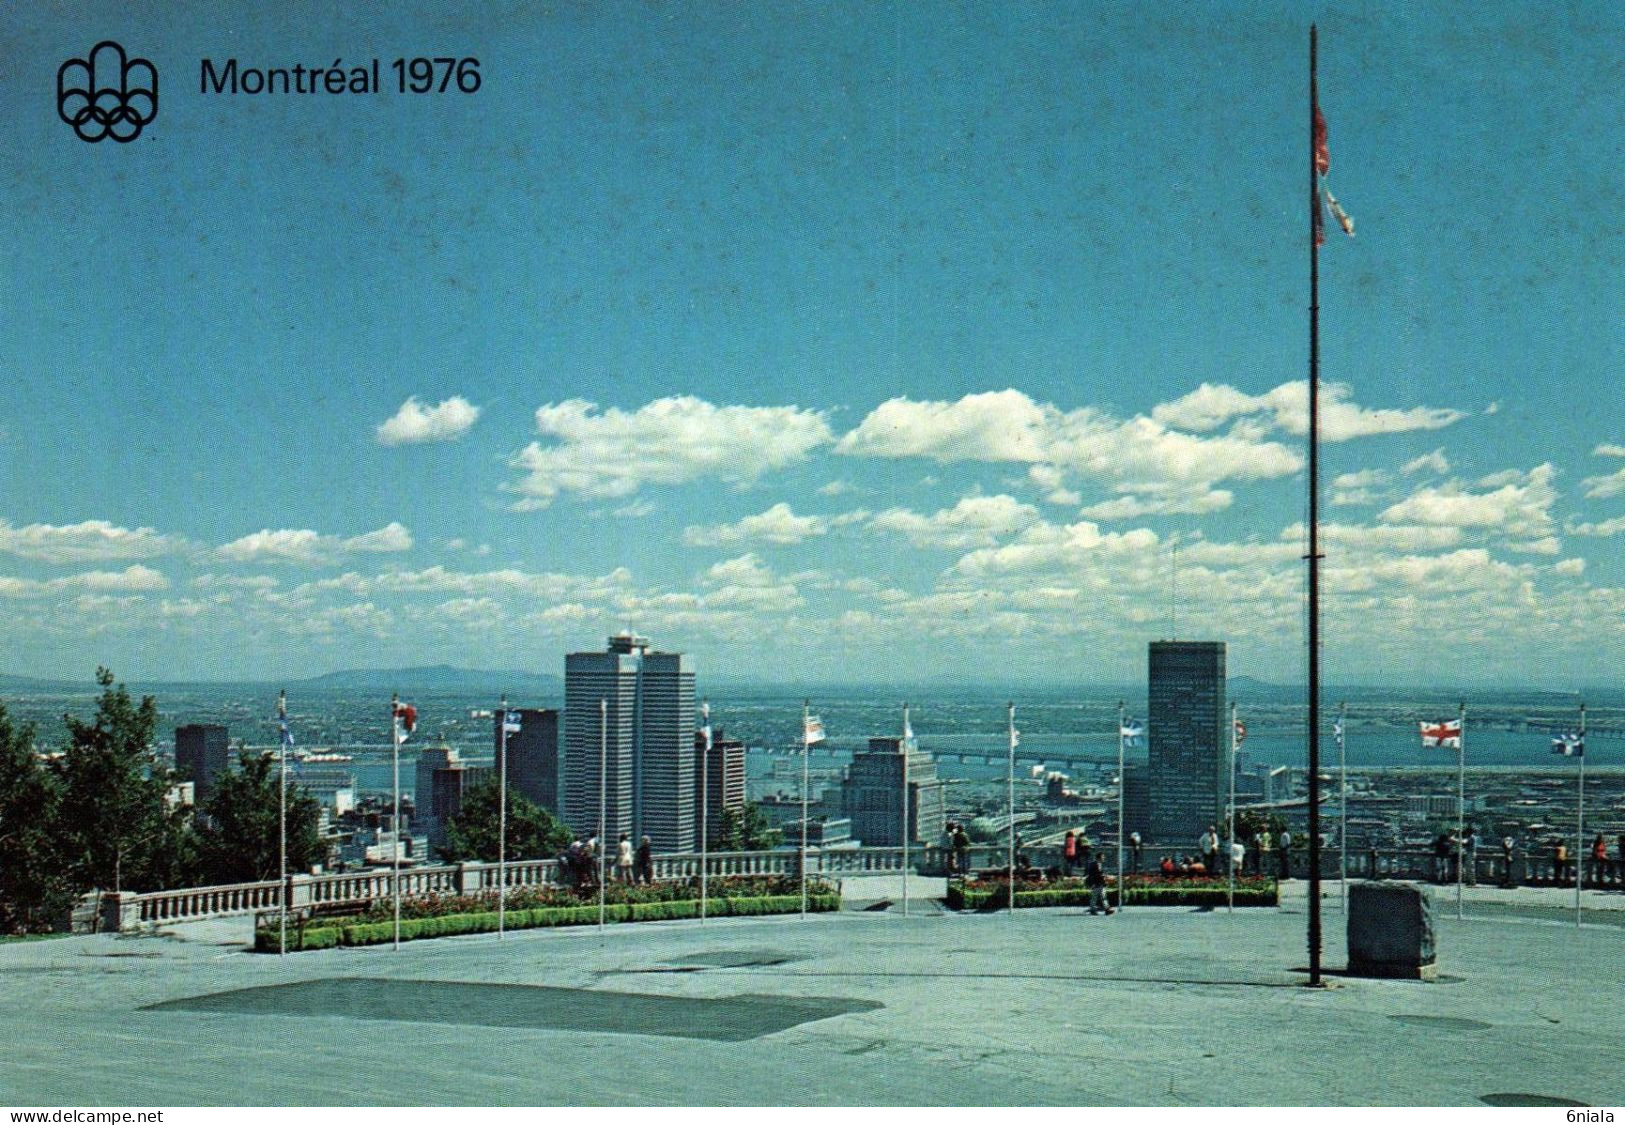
x: 511, y: 722
x: 1569, y: 744
x: 1337, y: 730
x: 705, y: 717
x: 1133, y: 732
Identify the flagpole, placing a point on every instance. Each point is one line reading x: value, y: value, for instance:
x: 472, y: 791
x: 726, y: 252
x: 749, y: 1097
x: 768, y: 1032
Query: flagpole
x: 395, y: 820
x: 1343, y: 811
x: 806, y: 749
x: 1314, y: 527
x: 502, y: 827
x: 1231, y: 828
x: 908, y: 737
x: 1122, y: 783
x: 603, y: 801
x: 1010, y: 782
x: 282, y: 818
x: 1461, y: 803
x: 1580, y: 822
x: 705, y: 801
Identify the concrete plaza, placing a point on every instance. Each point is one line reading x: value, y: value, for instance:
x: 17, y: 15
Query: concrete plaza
x: 1150, y: 1007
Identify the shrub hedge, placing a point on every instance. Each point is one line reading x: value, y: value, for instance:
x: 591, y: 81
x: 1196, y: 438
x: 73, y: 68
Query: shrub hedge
x: 448, y: 925
x: 996, y: 897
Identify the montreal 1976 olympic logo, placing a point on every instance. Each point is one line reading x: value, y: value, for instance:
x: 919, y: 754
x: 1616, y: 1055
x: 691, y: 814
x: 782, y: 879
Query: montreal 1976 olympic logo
x: 107, y: 94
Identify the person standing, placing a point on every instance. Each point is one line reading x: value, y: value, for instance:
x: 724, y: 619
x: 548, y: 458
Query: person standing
x: 1085, y: 850
x: 1560, y: 862
x: 1238, y: 855
x: 1599, y: 860
x: 623, y: 859
x: 1136, y: 848
x: 962, y: 851
x: 1095, y: 879
x: 950, y: 859
x: 1469, y: 856
x: 1286, y: 855
x: 1506, y: 861
x: 1210, y: 850
x: 646, y: 862
x: 1069, y: 851
x: 1266, y: 851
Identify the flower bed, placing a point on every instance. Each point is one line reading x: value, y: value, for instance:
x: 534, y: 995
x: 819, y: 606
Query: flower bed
x: 532, y: 907
x: 1141, y: 890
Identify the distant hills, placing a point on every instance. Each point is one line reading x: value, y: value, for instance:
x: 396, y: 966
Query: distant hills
x: 433, y: 677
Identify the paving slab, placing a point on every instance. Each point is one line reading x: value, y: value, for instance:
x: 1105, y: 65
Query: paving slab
x: 1051, y: 1007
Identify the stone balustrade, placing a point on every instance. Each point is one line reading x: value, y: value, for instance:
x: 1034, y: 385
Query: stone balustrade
x: 127, y: 911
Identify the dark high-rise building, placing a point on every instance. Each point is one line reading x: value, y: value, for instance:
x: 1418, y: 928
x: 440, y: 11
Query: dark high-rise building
x: 430, y: 759
x: 724, y: 776
x: 448, y: 785
x: 872, y: 794
x: 202, y: 754
x: 1188, y: 742
x: 647, y: 754
x: 1136, y: 801
x: 533, y: 755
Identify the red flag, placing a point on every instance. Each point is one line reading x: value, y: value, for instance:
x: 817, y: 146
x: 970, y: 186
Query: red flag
x: 1323, y: 156
x: 407, y: 715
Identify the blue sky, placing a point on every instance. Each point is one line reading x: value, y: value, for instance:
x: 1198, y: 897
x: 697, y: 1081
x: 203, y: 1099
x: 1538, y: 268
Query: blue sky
x: 818, y: 340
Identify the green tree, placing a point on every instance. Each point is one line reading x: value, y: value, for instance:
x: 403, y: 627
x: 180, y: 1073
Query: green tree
x: 117, y: 831
x: 472, y: 834
x: 36, y: 890
x: 746, y: 830
x: 239, y: 841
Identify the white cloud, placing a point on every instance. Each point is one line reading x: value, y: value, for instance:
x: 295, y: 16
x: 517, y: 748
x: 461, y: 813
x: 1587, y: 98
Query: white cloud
x: 1007, y: 426
x: 1609, y: 449
x: 1572, y: 567
x: 1600, y: 488
x: 834, y: 488
x: 1047, y: 546
x: 614, y: 453
x: 1435, y: 462
x: 779, y: 524
x: 1601, y: 529
x: 636, y: 510
x: 132, y: 579
x: 90, y: 541
x: 976, y: 521
x: 1365, y: 478
x: 1387, y: 537
x: 748, y: 583
x: 414, y: 423
x: 1519, y: 507
x: 305, y: 546
x: 1211, y: 405
x: 1161, y: 502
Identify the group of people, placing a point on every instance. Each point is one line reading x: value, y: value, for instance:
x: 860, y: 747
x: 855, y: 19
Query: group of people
x: 580, y: 861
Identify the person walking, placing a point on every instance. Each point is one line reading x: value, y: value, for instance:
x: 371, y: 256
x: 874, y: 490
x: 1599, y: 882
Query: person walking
x: 646, y: 862
x: 1095, y: 879
x: 623, y: 859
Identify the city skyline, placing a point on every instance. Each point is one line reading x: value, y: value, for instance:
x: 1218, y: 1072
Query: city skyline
x: 917, y: 339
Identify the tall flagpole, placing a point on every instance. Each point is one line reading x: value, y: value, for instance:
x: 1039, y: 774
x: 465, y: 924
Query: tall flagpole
x: 908, y: 738
x: 1122, y: 784
x: 1461, y: 802
x: 1314, y: 528
x: 395, y: 819
x: 1010, y: 782
x: 603, y: 802
x: 282, y: 816
x: 806, y: 774
x: 1343, y: 811
x: 1230, y: 844
x: 705, y: 801
x: 1580, y: 822
x: 502, y: 827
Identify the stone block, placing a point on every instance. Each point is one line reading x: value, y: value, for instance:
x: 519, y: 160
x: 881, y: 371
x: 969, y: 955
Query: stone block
x: 1390, y: 931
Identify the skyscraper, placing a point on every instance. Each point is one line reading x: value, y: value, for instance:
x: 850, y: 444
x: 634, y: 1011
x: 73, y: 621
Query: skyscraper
x: 533, y: 755
x: 724, y: 777
x: 1188, y: 743
x: 872, y: 794
x: 648, y: 741
x: 202, y: 754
